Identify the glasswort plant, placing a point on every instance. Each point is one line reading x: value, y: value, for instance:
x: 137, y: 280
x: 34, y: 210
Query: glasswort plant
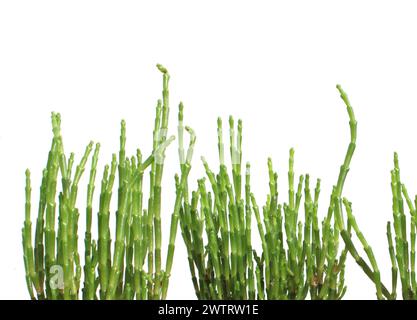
x: 401, y: 236
x: 298, y: 256
x: 129, y: 268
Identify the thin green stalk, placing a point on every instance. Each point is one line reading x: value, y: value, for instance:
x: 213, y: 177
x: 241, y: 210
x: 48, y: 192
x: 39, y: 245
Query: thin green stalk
x: 175, y: 215
x: 89, y: 267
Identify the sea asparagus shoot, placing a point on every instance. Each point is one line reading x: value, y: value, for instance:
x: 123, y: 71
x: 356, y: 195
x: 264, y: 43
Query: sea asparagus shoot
x: 124, y: 262
x: 300, y: 257
x: 401, y: 237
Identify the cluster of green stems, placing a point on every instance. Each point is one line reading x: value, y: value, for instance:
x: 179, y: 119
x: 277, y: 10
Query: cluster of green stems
x: 131, y: 266
x: 401, y: 243
x: 299, y: 255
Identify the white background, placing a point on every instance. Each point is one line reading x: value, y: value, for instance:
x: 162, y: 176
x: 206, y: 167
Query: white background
x: 274, y: 64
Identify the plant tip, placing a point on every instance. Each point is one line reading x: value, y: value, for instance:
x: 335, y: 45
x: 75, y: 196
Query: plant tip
x: 162, y: 68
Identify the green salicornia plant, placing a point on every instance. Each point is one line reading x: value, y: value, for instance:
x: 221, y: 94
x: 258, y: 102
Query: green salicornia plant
x: 221, y: 266
x: 401, y: 235
x: 131, y: 266
x: 299, y: 255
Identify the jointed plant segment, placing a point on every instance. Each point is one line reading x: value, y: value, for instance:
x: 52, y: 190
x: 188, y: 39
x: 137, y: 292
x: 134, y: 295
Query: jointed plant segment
x: 115, y: 270
x: 299, y: 256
